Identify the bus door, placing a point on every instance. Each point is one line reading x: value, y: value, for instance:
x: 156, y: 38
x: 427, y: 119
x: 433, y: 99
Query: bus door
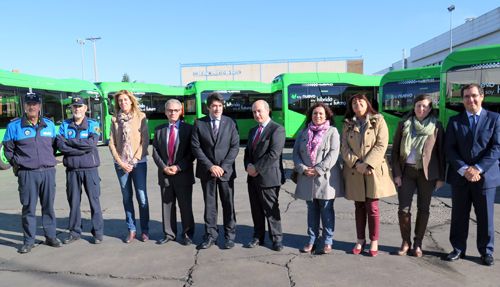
x: 96, y: 112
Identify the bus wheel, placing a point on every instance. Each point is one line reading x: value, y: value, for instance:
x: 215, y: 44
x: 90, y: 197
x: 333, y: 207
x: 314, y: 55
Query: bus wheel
x: 4, y: 164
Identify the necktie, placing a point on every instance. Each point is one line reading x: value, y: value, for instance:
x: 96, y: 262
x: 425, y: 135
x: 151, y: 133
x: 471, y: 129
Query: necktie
x: 256, y: 137
x: 214, y: 129
x: 474, y: 124
x: 171, y: 144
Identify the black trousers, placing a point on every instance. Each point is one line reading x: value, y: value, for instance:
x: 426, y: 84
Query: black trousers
x: 264, y: 206
x: 34, y: 184
x: 462, y: 197
x: 225, y: 189
x: 92, y: 184
x: 184, y: 196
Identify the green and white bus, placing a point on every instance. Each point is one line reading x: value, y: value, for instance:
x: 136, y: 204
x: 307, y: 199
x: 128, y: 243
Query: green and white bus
x: 55, y: 96
x: 299, y: 91
x: 479, y: 65
x: 239, y: 97
x: 151, y: 99
x: 398, y: 89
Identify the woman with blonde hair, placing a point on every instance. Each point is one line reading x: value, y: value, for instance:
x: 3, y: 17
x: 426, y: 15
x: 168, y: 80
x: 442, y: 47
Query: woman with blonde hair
x: 128, y: 143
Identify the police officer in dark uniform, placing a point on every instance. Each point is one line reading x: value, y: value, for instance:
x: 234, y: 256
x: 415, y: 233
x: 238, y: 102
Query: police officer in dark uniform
x: 29, y: 147
x: 77, y: 140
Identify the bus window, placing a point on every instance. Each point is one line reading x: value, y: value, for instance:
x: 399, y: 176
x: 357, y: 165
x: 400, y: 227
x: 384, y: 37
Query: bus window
x: 8, y: 106
x: 488, y: 77
x: 302, y: 96
x: 277, y: 101
x: 52, y: 106
x: 190, y: 105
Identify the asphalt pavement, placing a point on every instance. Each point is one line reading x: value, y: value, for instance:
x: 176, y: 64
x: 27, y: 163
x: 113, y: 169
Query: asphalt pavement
x: 115, y: 263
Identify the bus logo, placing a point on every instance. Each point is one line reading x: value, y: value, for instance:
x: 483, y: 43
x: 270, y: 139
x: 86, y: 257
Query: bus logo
x: 294, y: 96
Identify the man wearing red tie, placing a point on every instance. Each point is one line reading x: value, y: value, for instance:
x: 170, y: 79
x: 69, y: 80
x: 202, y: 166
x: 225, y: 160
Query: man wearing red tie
x: 172, y: 154
x: 264, y: 165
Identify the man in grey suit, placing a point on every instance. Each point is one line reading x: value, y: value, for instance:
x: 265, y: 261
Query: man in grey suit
x: 172, y: 154
x: 264, y: 165
x: 215, y: 144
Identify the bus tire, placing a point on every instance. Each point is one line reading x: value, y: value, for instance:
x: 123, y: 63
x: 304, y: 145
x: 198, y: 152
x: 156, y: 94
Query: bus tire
x: 4, y: 164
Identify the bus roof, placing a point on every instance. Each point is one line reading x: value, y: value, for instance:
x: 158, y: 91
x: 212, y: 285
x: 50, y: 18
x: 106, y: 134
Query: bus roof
x: 107, y: 87
x: 43, y: 83
x: 347, y: 78
x: 411, y: 74
x: 229, y: 85
x: 470, y: 56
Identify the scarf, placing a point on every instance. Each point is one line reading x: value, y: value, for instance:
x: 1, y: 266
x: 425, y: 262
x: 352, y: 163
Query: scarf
x: 124, y: 120
x: 315, y: 140
x: 422, y: 131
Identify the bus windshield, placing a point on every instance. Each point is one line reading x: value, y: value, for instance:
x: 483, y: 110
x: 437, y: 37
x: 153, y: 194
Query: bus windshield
x: 303, y: 96
x: 238, y: 103
x: 487, y: 75
x: 397, y: 98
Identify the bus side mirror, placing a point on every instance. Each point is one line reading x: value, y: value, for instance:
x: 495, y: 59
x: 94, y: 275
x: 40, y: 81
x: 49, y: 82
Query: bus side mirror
x: 111, y: 108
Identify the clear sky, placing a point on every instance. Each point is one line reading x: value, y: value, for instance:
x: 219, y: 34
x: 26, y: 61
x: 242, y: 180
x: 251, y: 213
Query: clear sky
x: 148, y: 39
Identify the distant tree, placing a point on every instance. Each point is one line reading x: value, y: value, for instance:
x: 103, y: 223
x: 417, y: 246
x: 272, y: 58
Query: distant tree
x: 126, y: 78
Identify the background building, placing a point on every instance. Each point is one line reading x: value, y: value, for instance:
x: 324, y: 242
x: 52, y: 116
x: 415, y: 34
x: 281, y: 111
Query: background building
x: 266, y: 71
x: 480, y: 31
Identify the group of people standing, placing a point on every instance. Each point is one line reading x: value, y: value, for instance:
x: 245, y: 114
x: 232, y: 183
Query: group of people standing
x: 471, y: 145
x: 420, y: 149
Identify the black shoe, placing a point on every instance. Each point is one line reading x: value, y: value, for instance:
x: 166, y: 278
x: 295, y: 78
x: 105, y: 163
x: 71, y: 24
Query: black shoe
x: 187, y: 241
x: 488, y: 259
x: 455, y: 255
x: 164, y: 240
x: 70, y: 239
x: 277, y: 246
x: 229, y: 244
x: 254, y: 243
x: 98, y: 239
x: 207, y: 243
x: 54, y: 242
x: 26, y: 248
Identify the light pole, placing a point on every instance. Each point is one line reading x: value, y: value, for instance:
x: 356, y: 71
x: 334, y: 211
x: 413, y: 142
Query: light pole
x: 95, y: 61
x: 83, y: 67
x: 450, y: 9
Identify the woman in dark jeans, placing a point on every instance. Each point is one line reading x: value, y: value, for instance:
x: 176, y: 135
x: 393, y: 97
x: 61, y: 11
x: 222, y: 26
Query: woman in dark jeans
x: 418, y: 161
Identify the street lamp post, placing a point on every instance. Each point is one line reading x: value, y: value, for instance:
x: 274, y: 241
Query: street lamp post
x: 95, y: 61
x: 450, y: 9
x: 83, y: 67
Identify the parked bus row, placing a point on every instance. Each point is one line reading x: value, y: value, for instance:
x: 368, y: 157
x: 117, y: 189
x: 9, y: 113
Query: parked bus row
x: 289, y: 94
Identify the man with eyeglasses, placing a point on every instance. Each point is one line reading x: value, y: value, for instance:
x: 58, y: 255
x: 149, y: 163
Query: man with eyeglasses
x: 172, y: 154
x: 472, y: 147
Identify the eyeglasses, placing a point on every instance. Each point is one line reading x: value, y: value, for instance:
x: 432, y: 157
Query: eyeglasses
x: 172, y: 111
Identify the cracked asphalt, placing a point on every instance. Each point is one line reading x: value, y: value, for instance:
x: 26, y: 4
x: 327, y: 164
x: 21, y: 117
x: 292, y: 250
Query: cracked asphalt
x: 114, y: 263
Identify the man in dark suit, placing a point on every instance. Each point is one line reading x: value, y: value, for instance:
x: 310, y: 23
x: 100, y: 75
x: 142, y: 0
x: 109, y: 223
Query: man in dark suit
x: 172, y: 154
x: 215, y: 144
x: 472, y: 147
x: 264, y: 165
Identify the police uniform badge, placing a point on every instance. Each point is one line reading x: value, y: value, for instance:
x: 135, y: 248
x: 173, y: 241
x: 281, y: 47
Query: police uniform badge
x: 27, y: 132
x: 70, y: 133
x: 97, y: 130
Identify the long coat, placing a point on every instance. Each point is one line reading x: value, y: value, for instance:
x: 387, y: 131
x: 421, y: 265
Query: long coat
x: 329, y: 184
x: 379, y: 184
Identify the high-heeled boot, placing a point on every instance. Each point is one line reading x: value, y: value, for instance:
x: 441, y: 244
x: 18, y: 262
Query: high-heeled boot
x: 405, y: 227
x: 420, y: 226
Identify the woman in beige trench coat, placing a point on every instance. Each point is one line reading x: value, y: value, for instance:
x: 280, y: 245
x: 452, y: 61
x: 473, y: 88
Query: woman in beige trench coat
x: 366, y: 171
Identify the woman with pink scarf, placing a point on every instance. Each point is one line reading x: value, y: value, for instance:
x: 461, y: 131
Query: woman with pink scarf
x: 319, y: 180
x: 128, y: 143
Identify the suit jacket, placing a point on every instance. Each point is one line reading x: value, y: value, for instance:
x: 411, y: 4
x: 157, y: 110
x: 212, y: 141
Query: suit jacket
x: 221, y: 152
x: 268, y: 154
x: 433, y: 158
x: 482, y: 148
x: 183, y: 157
